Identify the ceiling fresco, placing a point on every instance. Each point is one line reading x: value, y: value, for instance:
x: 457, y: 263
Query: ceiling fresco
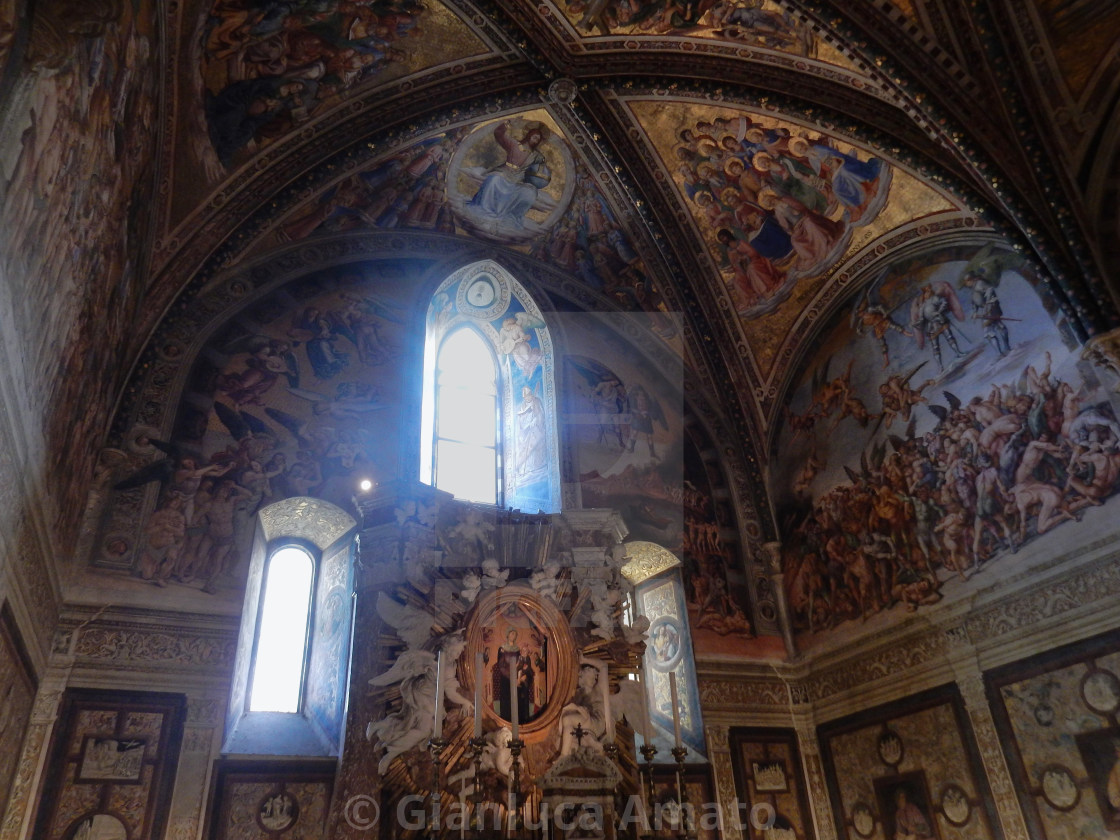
x: 265, y: 70
x: 787, y: 194
x: 778, y: 206
x: 459, y: 182
x: 1082, y: 35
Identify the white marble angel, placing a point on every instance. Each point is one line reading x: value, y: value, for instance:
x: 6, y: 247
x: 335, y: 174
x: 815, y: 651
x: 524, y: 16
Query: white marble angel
x: 472, y: 583
x: 493, y: 575
x: 412, y: 724
x: 413, y: 625
x: 496, y: 755
x: 545, y: 580
x: 604, y: 606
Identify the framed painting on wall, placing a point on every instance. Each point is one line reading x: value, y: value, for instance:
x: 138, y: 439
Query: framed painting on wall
x: 112, y: 765
x: 770, y: 784
x: 909, y: 768
x: 1057, y: 714
x: 270, y: 799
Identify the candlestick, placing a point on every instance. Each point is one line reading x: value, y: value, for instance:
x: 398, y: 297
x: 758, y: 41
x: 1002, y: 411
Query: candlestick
x: 513, y: 677
x: 478, y: 695
x: 675, y: 700
x: 647, y: 727
x: 437, y: 726
x: 605, y: 683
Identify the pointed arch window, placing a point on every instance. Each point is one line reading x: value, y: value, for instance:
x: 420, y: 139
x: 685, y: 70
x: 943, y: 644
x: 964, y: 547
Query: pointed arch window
x: 488, y: 422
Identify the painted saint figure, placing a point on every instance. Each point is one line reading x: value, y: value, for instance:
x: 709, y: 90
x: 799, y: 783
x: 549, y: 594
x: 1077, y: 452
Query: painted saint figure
x: 508, y: 191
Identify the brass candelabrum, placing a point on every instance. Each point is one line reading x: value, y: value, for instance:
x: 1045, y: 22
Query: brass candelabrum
x: 477, y: 745
x: 436, y: 746
x: 648, y: 752
x: 687, y: 830
x: 516, y: 745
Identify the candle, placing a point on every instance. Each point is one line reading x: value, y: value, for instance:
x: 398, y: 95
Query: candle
x: 675, y: 700
x: 437, y: 728
x: 647, y: 728
x: 478, y: 695
x: 513, y: 676
x: 605, y: 682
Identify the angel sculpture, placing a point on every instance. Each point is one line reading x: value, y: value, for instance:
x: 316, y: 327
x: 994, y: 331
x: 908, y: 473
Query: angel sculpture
x: 496, y: 757
x: 493, y: 575
x: 413, y: 625
x: 472, y: 584
x: 603, y: 608
x: 636, y: 633
x: 545, y: 580
x: 411, y: 725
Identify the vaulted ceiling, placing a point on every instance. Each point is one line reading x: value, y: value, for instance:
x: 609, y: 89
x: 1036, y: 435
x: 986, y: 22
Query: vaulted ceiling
x: 221, y: 136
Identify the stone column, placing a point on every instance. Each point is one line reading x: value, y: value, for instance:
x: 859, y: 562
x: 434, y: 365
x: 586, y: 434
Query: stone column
x: 971, y: 684
x: 33, y: 758
x: 820, y: 805
x: 723, y: 782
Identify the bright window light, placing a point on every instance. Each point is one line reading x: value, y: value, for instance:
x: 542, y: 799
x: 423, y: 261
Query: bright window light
x: 282, y: 634
x: 466, y: 418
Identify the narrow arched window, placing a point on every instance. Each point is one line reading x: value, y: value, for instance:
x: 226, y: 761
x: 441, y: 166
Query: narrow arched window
x: 488, y: 410
x: 467, y: 418
x: 282, y: 632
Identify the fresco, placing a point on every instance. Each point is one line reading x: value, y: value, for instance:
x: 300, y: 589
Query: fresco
x: 778, y: 205
x: 754, y: 23
x: 297, y: 396
x: 625, y: 427
x: 715, y: 586
x: 258, y: 71
x: 268, y: 67
x: 78, y: 185
x: 782, y: 202
x: 942, y: 426
x: 1082, y: 35
x: 435, y: 185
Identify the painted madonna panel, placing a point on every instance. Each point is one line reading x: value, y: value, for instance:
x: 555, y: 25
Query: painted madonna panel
x: 970, y: 432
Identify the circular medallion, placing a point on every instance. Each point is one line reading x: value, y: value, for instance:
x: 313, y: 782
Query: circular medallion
x: 890, y: 747
x: 481, y: 292
x: 1059, y: 788
x: 1101, y: 691
x: 863, y: 821
x: 955, y: 804
x: 277, y: 812
x: 666, y: 643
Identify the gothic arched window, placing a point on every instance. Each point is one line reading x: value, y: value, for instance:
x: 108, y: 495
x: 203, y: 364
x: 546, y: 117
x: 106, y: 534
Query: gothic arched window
x: 489, y: 411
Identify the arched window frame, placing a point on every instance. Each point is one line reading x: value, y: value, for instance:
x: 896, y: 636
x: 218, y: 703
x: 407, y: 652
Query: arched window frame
x: 326, y: 533
x: 488, y: 299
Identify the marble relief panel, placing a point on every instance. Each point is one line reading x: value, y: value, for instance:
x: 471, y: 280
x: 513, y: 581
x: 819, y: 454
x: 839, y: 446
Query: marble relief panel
x: 908, y: 769
x: 1058, y: 716
x: 112, y: 766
